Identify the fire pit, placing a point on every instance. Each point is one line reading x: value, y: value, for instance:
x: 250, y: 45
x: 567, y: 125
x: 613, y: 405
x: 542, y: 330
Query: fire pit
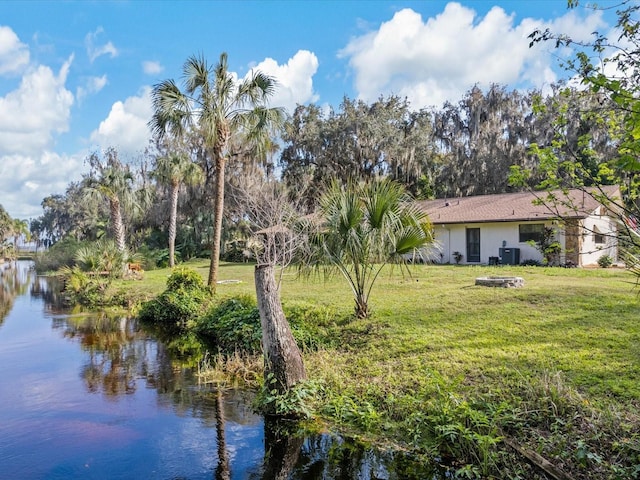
x: 504, y: 282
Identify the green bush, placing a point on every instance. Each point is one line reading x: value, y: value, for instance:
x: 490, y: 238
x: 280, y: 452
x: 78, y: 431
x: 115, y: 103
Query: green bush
x: 605, y: 261
x: 61, y: 254
x: 180, y: 305
x: 233, y: 325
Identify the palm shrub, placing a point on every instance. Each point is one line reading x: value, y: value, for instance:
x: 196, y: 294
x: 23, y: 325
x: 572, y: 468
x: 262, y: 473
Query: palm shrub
x: 363, y: 227
x: 102, y: 257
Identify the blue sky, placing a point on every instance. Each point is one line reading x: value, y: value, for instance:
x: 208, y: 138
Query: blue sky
x: 75, y: 76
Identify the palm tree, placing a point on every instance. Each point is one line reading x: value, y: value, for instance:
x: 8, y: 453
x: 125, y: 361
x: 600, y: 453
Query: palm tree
x: 223, y: 111
x: 363, y: 228
x: 19, y: 228
x: 175, y: 170
x: 113, y: 180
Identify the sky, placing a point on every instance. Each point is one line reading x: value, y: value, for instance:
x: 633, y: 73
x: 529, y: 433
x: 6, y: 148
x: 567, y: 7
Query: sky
x: 76, y: 76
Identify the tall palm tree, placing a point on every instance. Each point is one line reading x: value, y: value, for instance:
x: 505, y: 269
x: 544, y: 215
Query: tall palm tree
x: 19, y: 228
x: 113, y: 180
x: 176, y: 170
x: 363, y: 227
x: 223, y: 111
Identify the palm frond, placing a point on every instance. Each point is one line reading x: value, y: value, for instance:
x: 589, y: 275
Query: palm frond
x: 196, y: 74
x: 172, y: 109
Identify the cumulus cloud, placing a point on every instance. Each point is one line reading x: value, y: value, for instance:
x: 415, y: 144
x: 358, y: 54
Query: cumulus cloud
x: 125, y: 128
x: 441, y: 58
x: 26, y: 179
x: 91, y: 85
x: 94, y: 51
x: 152, y: 68
x: 14, y: 55
x: 295, y: 79
x: 30, y: 117
x: 40, y: 107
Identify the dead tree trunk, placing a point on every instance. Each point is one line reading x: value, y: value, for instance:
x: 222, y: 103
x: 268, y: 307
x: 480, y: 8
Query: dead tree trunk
x: 282, y: 357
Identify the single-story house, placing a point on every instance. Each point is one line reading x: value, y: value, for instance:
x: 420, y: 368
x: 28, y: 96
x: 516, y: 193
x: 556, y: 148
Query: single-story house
x: 487, y: 229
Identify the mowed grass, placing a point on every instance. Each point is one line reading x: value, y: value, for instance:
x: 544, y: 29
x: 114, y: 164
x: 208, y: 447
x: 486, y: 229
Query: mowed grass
x: 583, y: 323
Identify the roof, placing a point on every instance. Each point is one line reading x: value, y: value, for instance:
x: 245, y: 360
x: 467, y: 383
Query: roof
x: 517, y: 207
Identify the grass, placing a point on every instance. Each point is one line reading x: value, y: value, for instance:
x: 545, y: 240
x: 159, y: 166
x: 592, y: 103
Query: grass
x: 555, y: 364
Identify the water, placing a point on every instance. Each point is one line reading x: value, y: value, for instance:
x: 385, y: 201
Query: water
x: 95, y: 397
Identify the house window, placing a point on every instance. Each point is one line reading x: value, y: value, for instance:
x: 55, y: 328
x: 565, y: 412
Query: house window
x: 531, y: 231
x: 598, y: 236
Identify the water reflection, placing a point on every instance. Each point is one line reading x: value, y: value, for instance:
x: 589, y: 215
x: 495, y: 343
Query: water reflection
x: 96, y: 396
x: 14, y: 278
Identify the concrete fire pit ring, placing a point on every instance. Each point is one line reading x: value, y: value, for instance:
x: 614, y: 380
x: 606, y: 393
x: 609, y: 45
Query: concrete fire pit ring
x: 503, y: 282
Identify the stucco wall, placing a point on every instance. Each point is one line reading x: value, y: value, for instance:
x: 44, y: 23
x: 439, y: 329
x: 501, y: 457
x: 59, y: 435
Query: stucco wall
x: 592, y: 251
x: 452, y: 238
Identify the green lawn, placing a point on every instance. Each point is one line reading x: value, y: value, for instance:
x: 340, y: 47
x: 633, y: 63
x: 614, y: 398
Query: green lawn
x: 555, y: 364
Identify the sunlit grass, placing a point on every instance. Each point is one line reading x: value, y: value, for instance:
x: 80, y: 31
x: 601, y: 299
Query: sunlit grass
x: 568, y: 340
x: 581, y: 322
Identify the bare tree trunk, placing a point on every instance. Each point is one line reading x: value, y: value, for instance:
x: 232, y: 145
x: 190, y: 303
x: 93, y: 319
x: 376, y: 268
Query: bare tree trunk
x: 117, y: 225
x: 172, y: 223
x: 217, y: 223
x: 282, y: 356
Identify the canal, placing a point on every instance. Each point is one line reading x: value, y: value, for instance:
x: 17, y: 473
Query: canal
x: 96, y: 397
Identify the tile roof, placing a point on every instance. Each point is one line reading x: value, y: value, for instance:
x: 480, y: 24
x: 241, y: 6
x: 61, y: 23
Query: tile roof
x: 514, y: 207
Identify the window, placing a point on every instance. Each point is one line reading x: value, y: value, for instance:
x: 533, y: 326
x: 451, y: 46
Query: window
x: 598, y: 236
x: 531, y: 231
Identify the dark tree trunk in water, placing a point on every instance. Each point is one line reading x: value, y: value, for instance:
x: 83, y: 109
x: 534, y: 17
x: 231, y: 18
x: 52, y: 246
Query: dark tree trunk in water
x: 281, y: 354
x: 282, y: 451
x: 222, y: 470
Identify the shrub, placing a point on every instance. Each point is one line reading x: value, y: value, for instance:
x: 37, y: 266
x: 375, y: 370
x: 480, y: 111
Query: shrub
x: 605, y: 261
x: 61, y: 254
x: 531, y: 263
x: 102, y: 257
x: 181, y: 304
x: 233, y: 325
x: 82, y: 289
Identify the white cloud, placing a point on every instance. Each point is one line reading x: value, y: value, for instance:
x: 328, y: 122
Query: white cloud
x: 91, y: 85
x: 440, y: 59
x: 31, y: 114
x: 295, y: 79
x: 152, y: 68
x: 94, y: 51
x: 125, y: 128
x: 14, y: 55
x: 25, y: 180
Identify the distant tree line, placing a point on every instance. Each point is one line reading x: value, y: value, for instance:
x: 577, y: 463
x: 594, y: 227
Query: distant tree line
x: 464, y: 148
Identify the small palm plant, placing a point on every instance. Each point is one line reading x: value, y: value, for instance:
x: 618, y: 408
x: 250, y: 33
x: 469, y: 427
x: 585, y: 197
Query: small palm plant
x: 363, y: 228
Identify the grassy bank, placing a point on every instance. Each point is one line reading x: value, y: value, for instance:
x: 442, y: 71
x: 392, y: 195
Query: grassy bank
x: 452, y: 369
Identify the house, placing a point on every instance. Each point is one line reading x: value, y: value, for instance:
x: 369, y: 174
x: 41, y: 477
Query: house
x: 488, y: 229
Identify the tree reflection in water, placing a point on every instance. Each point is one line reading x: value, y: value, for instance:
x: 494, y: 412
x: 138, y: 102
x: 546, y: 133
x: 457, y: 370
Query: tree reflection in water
x: 122, y: 357
x: 15, y: 277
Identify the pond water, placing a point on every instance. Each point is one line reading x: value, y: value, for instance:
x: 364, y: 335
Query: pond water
x: 94, y: 397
